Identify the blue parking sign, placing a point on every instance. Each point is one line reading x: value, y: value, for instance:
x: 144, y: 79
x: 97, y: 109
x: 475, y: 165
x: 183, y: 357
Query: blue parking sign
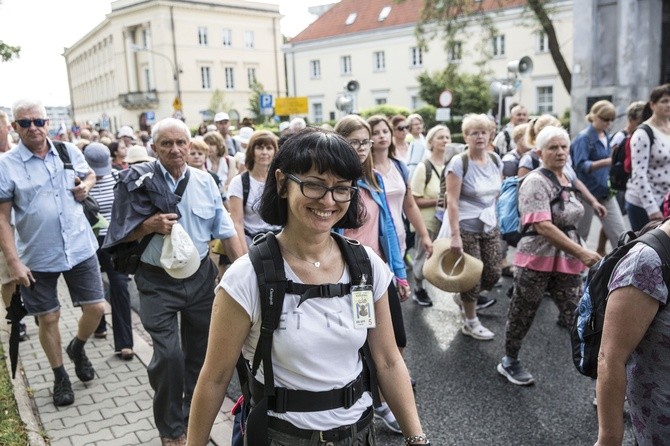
x: 266, y: 101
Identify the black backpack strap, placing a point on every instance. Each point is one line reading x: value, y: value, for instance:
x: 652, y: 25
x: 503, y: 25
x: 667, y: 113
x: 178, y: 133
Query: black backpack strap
x: 508, y: 140
x: 659, y: 240
x: 246, y: 186
x: 649, y: 132
x: 63, y: 154
x: 268, y: 264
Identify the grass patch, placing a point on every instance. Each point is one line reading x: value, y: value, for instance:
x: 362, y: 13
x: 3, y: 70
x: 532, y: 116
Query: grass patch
x: 12, y: 430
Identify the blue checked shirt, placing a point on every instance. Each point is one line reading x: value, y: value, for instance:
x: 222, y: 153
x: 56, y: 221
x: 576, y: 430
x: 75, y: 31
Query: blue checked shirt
x: 52, y: 234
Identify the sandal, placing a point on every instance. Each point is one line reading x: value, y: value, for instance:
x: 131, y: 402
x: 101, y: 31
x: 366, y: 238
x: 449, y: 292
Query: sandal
x: 126, y: 354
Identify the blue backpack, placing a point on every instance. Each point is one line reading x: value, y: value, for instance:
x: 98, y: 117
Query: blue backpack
x: 507, y: 207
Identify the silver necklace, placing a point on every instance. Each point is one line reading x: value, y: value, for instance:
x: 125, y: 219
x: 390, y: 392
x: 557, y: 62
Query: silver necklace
x: 317, y: 263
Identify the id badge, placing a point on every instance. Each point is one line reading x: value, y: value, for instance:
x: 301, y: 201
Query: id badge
x: 363, y: 306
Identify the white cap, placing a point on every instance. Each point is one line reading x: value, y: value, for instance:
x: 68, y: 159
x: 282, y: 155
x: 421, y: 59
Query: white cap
x: 283, y: 126
x: 126, y: 130
x: 244, y: 135
x: 179, y: 256
x: 221, y: 116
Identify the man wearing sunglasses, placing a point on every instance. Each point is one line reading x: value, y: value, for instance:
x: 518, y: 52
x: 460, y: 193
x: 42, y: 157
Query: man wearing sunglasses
x: 53, y: 237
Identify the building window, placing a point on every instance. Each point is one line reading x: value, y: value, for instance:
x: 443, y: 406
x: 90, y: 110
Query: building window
x: 378, y: 61
x: 499, y: 45
x: 317, y: 112
x: 351, y: 18
x: 380, y: 101
x: 202, y: 35
x: 415, y: 57
x: 545, y: 100
x: 315, y: 69
x: 205, y: 78
x: 251, y: 76
x: 455, y: 52
x: 227, y: 38
x: 345, y: 65
x: 386, y: 10
x: 249, y: 39
x: 542, y: 42
x: 145, y: 38
x: 230, y: 79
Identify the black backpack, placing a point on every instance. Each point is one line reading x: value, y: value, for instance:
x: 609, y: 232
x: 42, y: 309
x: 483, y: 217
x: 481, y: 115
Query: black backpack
x: 618, y: 175
x: 273, y: 285
x: 90, y: 204
x: 586, y: 332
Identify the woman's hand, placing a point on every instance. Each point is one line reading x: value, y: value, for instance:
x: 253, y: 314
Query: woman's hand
x: 427, y: 245
x: 599, y: 209
x: 589, y: 258
x: 404, y: 290
x: 456, y: 244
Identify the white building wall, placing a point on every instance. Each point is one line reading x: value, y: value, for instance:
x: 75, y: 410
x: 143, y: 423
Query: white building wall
x: 398, y: 84
x: 102, y: 65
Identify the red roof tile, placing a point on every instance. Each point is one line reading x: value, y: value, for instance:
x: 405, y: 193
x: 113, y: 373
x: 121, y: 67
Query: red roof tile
x: 332, y: 22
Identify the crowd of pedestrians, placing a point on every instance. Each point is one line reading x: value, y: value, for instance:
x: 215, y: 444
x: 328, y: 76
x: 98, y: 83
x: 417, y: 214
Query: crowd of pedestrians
x: 183, y: 214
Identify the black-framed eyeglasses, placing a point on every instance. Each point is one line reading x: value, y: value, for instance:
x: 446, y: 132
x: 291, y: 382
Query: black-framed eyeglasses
x: 316, y: 191
x: 402, y: 128
x: 25, y: 123
x: 358, y: 143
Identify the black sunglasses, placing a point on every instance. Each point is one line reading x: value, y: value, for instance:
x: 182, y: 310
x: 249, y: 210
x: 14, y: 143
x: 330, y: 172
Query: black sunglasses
x: 25, y: 123
x: 402, y: 128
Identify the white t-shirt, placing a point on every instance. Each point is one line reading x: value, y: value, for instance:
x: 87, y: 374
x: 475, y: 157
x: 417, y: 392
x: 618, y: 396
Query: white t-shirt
x: 253, y: 223
x: 315, y: 347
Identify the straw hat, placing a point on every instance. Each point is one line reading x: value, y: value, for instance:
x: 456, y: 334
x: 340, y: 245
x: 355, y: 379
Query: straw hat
x: 137, y: 154
x: 449, y: 272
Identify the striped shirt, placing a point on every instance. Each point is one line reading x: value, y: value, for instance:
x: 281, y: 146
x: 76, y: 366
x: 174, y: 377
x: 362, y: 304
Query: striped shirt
x: 103, y: 192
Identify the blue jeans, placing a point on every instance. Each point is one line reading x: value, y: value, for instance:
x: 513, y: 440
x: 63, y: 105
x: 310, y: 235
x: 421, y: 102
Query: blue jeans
x: 637, y: 216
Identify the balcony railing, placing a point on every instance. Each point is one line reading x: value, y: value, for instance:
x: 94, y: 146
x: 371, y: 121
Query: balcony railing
x: 139, y: 99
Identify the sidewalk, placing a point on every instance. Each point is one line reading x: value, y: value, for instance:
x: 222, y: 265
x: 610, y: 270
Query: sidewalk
x: 113, y: 409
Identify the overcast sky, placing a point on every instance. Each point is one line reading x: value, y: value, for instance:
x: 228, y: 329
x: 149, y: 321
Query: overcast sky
x: 43, y: 28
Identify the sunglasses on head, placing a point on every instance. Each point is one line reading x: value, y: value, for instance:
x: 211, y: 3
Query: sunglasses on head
x: 402, y: 128
x: 25, y: 123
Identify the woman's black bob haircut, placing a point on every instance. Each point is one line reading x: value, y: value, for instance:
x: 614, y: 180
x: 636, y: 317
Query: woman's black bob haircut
x: 324, y: 150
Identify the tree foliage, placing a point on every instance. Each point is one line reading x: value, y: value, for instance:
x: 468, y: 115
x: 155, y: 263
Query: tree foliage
x: 450, y: 20
x: 257, y: 90
x: 218, y: 102
x: 8, y: 52
x: 470, y: 91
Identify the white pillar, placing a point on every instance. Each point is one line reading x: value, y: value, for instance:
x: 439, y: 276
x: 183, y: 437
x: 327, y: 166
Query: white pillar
x: 131, y: 65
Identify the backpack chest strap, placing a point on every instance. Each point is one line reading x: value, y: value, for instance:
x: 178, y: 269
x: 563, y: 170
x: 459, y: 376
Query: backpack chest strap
x: 306, y: 291
x: 289, y: 400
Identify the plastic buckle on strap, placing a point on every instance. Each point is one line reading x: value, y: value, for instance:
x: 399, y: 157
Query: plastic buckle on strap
x: 349, y: 394
x: 280, y: 399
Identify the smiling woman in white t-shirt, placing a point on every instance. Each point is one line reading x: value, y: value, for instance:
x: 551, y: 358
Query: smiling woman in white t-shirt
x: 315, y: 350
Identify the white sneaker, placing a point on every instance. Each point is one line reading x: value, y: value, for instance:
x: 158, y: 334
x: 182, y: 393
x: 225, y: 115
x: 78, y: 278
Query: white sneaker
x: 386, y: 416
x: 477, y: 331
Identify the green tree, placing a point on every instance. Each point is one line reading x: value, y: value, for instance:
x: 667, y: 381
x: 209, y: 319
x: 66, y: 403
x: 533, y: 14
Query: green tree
x: 8, y: 52
x: 218, y: 102
x: 450, y: 19
x: 470, y: 91
x: 257, y: 90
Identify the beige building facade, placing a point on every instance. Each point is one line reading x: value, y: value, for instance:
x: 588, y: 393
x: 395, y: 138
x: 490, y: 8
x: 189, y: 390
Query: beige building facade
x: 374, y: 43
x: 132, y: 67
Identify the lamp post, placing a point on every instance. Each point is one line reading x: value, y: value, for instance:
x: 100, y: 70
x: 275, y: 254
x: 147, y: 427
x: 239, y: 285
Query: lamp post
x: 175, y: 71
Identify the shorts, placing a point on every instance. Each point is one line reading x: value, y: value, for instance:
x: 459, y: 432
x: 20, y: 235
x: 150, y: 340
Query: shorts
x: 4, y: 270
x: 84, y: 283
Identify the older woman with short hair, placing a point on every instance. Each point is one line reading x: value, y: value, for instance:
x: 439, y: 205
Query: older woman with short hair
x: 473, y: 185
x: 549, y: 257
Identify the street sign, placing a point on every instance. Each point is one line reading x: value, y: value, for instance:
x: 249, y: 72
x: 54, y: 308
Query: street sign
x: 176, y: 104
x: 265, y: 101
x: 445, y: 98
x: 297, y: 105
x: 442, y: 114
x: 267, y: 111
